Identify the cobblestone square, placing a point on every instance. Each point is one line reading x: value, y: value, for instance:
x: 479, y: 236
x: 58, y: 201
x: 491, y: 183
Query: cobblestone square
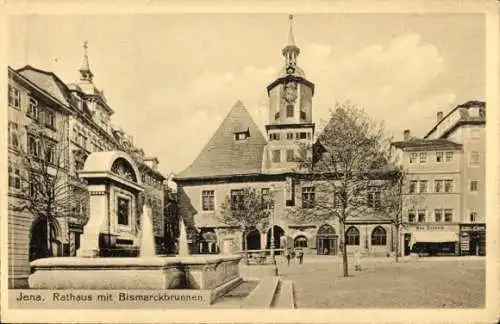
x: 386, y: 284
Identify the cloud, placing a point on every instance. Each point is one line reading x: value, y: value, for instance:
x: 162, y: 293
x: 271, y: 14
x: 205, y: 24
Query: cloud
x: 387, y: 80
x: 392, y: 82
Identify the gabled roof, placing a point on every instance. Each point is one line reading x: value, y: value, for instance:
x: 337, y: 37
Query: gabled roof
x: 427, y: 144
x: 224, y: 155
x: 47, y: 81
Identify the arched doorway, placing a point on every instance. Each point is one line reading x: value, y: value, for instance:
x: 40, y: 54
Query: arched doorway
x: 253, y: 240
x: 39, y: 242
x: 207, y: 240
x: 278, y: 233
x: 326, y: 240
x: 300, y: 242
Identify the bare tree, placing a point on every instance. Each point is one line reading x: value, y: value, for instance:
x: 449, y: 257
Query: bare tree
x: 246, y: 210
x: 395, y: 197
x: 348, y: 166
x: 48, y: 194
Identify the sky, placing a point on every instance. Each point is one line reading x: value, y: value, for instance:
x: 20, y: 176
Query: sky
x: 172, y: 78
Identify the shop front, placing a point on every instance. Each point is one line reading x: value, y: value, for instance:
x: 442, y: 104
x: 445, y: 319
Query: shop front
x: 432, y: 240
x: 473, y: 239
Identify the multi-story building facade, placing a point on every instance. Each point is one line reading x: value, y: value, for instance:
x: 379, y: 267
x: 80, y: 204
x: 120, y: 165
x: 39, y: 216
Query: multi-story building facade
x: 80, y: 116
x: 239, y: 156
x: 445, y: 191
x: 37, y: 122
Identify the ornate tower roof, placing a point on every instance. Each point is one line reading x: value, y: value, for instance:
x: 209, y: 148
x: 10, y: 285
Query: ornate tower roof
x: 290, y: 53
x: 85, y: 72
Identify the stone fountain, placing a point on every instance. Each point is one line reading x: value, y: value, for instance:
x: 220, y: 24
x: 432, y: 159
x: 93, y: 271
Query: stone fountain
x: 114, y: 183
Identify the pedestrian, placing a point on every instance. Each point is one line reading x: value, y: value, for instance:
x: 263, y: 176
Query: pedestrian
x: 300, y: 255
x: 357, y: 260
x: 287, y: 255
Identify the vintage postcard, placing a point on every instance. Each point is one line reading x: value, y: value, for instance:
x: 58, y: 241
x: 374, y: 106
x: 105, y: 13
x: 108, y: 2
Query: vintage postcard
x: 250, y: 162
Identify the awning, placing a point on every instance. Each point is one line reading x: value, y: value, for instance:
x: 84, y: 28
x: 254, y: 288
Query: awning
x: 433, y: 237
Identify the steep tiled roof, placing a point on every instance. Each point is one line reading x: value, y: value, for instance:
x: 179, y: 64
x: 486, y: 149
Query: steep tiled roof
x: 224, y: 155
x: 47, y: 81
x: 428, y: 144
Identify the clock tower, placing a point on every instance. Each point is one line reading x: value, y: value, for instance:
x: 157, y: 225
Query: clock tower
x: 290, y: 128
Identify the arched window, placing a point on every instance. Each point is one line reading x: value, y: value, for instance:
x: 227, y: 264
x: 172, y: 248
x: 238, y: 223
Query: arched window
x: 300, y: 242
x: 379, y: 236
x: 352, y: 236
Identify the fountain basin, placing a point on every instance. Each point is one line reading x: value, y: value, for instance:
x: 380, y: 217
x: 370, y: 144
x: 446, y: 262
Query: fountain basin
x: 155, y: 273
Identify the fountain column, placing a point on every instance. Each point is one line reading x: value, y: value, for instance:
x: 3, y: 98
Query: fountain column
x: 99, y: 213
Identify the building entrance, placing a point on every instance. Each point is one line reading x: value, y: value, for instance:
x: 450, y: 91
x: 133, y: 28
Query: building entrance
x: 253, y: 240
x: 326, y: 243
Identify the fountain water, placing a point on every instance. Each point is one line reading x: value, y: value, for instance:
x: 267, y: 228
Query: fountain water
x: 147, y: 248
x: 183, y: 245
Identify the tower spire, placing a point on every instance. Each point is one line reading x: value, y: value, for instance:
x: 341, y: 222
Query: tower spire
x: 291, y: 40
x: 85, y: 72
x: 291, y: 51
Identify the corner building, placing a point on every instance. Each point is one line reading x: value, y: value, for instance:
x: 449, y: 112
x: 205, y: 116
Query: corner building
x: 446, y: 171
x: 238, y: 155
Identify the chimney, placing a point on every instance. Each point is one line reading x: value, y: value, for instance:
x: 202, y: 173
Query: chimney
x: 406, y: 135
x: 439, y: 116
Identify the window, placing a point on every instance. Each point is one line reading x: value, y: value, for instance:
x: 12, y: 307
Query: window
x: 337, y: 200
x: 14, y: 97
x: 276, y: 156
x: 373, y: 199
x: 266, y: 198
x: 421, y: 215
x: 33, y: 148
x: 13, y: 134
x: 49, y: 118
x: 274, y: 136
x: 448, y: 215
x: 474, y: 158
x: 302, y: 115
x: 423, y: 157
x: 289, y: 155
x: 352, y: 236
x: 240, y: 136
x: 411, y: 216
x: 33, y: 108
x: 438, y: 215
x: 237, y: 199
x: 289, y: 136
x: 123, y: 211
x: 423, y: 186
x: 438, y: 185
x: 473, y: 216
x: 439, y: 156
x: 303, y: 135
x: 308, y: 197
x: 289, y: 110
x: 474, y: 186
x: 14, y: 178
x: 50, y: 154
x: 413, y: 158
x: 379, y: 236
x: 300, y: 242
x: 449, y: 156
x: 413, y: 186
x: 448, y: 186
x: 207, y: 200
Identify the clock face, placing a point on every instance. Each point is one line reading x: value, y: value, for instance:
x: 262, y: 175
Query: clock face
x: 290, y: 70
x: 290, y: 92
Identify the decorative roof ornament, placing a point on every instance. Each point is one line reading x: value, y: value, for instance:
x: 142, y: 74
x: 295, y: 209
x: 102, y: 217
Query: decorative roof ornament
x: 85, y: 72
x: 291, y: 51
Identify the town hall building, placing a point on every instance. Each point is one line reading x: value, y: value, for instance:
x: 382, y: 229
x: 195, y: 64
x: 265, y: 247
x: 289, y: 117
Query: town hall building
x: 238, y: 156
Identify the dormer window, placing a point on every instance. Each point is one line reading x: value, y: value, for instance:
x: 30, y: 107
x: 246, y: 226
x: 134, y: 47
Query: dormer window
x: 241, y: 136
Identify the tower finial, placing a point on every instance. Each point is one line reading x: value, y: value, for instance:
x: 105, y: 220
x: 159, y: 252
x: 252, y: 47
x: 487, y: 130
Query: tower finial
x: 291, y: 40
x: 85, y: 72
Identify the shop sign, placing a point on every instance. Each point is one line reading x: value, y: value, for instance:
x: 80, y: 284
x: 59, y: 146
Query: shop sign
x: 473, y: 228
x: 430, y: 228
x: 465, y: 243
